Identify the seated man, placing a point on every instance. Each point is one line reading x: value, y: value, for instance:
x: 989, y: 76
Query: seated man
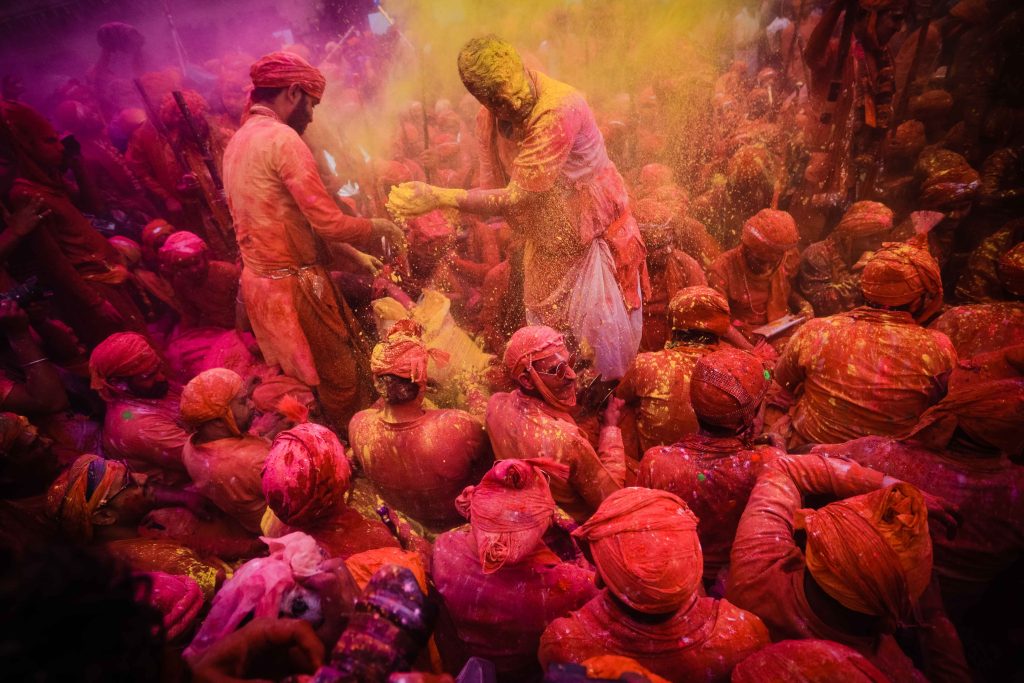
x: 141, y: 424
x: 657, y: 385
x: 873, y: 370
x: 757, y: 276
x: 806, y: 660
x: 418, y: 460
x: 714, y: 470
x: 225, y: 463
x: 866, y: 564
x: 830, y: 269
x: 206, y: 289
x: 305, y: 479
x: 500, y: 583
x: 534, y: 420
x: 644, y: 543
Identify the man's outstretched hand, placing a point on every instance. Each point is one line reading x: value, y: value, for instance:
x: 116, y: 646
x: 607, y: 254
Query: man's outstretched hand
x: 265, y: 649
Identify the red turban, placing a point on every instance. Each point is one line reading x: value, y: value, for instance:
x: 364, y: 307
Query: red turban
x: 170, y: 114
x: 644, y: 543
x: 128, y: 249
x: 153, y: 232
x: 208, y: 396
x: 865, y: 218
x: 404, y: 354
x: 282, y: 69
x: 124, y: 354
x: 872, y: 553
x: 178, y: 598
x: 70, y: 501
x: 181, y: 247
x: 510, y: 509
x: 770, y: 232
x: 807, y: 661
x: 529, y: 344
x: 699, y: 308
x: 1010, y: 269
x: 900, y: 274
x: 991, y: 413
x: 950, y: 183
x: 727, y: 387
x: 305, y: 474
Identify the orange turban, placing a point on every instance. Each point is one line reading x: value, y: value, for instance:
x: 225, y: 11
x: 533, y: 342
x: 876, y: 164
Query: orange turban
x: 282, y: 69
x: 865, y: 218
x: 510, y: 509
x: 208, y: 396
x: 181, y: 246
x: 900, y: 274
x: 991, y: 413
x: 124, y: 354
x: 807, y: 661
x: 872, y: 553
x: 727, y: 387
x: 80, y: 490
x: 644, y: 543
x: 305, y: 474
x: 1010, y: 269
x: 404, y: 354
x: 770, y: 232
x: 699, y: 308
x: 529, y: 344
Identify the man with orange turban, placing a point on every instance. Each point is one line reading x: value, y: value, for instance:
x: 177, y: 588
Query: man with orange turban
x: 867, y: 562
x: 282, y: 215
x: 418, y: 460
x: 872, y: 370
x: 960, y: 450
x: 714, y: 469
x: 536, y: 419
x: 500, y: 582
x: 648, y: 557
x: 830, y: 269
x: 656, y: 388
x: 141, y: 424
x: 757, y: 277
x: 225, y: 463
x: 305, y: 480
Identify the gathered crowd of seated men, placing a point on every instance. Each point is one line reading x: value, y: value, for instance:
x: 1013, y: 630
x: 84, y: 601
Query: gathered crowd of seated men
x: 251, y: 428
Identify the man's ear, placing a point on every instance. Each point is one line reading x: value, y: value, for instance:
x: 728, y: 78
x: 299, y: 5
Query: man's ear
x: 526, y: 381
x: 294, y: 92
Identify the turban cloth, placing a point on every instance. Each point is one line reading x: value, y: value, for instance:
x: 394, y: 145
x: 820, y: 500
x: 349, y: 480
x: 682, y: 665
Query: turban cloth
x: 727, y: 387
x: 153, y: 232
x: 170, y: 113
x: 529, y: 344
x: 644, y: 543
x: 181, y: 247
x: 1010, y: 269
x: 208, y: 396
x: 81, y: 490
x: 124, y: 354
x: 699, y: 308
x: 907, y: 141
x: 282, y: 69
x: 749, y: 168
x: 949, y: 182
x: 770, y: 232
x: 128, y: 248
x: 807, y: 661
x: 931, y: 104
x: 510, y: 509
x: 872, y: 553
x: 615, y: 667
x: 429, y: 227
x: 865, y: 218
x: 990, y: 413
x: 178, y: 598
x: 257, y: 588
x: 305, y: 474
x: 404, y: 354
x: 899, y: 274
x: 115, y: 35
x: 23, y: 128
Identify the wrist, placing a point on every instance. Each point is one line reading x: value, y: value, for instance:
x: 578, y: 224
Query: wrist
x: 449, y: 197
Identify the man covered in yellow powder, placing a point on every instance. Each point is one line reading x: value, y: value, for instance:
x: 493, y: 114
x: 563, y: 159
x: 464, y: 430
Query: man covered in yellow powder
x: 543, y: 165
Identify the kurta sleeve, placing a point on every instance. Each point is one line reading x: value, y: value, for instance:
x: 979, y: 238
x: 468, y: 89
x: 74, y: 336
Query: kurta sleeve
x: 546, y: 147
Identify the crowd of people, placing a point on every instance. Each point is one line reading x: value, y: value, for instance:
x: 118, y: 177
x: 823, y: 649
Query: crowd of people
x: 721, y: 379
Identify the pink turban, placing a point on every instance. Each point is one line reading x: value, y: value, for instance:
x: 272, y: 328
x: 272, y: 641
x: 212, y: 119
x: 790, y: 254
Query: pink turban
x: 181, y: 247
x: 699, y: 308
x: 865, y: 218
x: 529, y: 344
x: 900, y: 274
x: 305, y: 474
x: 282, y: 69
x: 208, y: 396
x: 124, y: 354
x: 728, y: 386
x: 178, y: 598
x: 770, y: 232
x: 510, y: 509
x: 644, y: 543
x: 404, y: 354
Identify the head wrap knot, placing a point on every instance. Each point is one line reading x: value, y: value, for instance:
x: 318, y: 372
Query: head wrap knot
x: 727, y: 387
x: 124, y: 354
x: 208, y: 396
x: 81, y: 490
x: 404, y: 354
x: 770, y: 232
x: 699, y: 308
x: 529, y: 344
x: 900, y: 274
x: 305, y: 474
x: 865, y: 218
x: 181, y: 247
x: 282, y: 69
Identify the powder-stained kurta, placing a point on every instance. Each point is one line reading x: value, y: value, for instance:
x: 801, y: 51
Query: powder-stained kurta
x: 754, y: 299
x: 981, y: 328
x: 228, y: 472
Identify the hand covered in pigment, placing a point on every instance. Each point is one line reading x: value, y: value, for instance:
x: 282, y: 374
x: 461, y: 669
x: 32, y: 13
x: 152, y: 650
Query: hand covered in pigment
x: 412, y: 199
x: 613, y: 412
x: 26, y: 219
x: 367, y: 262
x: 263, y: 649
x: 389, y: 231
